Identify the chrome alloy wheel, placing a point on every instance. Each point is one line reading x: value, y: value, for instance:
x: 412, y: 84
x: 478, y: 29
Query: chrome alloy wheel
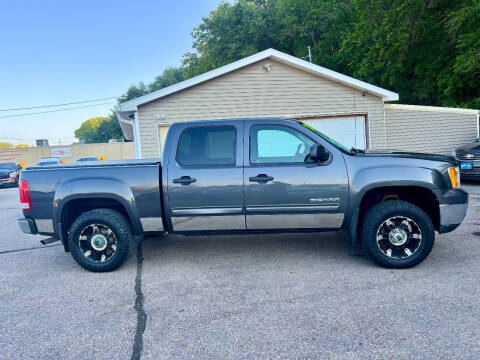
x: 97, y: 242
x: 399, y: 237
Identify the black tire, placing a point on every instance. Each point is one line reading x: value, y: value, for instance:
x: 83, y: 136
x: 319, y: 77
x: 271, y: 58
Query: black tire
x: 376, y: 220
x: 120, y: 227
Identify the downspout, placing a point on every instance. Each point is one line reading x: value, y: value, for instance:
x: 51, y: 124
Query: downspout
x: 478, y: 124
x: 138, y: 144
x: 385, y: 123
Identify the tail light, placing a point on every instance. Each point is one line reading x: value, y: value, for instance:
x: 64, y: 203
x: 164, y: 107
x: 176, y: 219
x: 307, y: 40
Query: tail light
x: 25, y: 198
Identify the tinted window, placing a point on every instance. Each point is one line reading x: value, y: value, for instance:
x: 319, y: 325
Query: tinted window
x: 8, y: 166
x: 45, y: 163
x: 207, y: 145
x: 278, y: 144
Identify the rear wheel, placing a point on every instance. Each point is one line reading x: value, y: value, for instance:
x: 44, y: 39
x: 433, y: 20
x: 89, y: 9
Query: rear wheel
x: 397, y: 234
x: 100, y: 240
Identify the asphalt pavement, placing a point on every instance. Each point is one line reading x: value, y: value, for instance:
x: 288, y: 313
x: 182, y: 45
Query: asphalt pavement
x: 289, y: 296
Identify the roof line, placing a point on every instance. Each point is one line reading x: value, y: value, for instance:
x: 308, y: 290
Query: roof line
x: 430, y: 108
x: 387, y: 95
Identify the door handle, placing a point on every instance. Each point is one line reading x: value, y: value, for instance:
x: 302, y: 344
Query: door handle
x: 261, y: 178
x: 184, y: 180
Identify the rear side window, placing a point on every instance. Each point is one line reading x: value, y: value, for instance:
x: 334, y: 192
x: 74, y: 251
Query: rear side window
x: 207, y: 145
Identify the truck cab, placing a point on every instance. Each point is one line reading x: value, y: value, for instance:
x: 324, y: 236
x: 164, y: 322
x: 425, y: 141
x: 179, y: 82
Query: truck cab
x: 252, y: 175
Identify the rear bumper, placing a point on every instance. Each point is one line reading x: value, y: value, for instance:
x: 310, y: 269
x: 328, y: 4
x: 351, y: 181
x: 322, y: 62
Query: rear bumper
x: 453, y: 208
x: 27, y: 225
x: 9, y: 181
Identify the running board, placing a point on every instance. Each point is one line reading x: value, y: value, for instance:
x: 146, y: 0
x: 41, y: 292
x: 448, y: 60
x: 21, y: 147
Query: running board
x: 49, y: 240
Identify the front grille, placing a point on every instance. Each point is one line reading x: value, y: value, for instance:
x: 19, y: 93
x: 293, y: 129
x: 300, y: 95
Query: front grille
x: 464, y: 157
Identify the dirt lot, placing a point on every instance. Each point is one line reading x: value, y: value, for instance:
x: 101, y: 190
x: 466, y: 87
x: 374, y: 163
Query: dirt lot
x: 295, y: 296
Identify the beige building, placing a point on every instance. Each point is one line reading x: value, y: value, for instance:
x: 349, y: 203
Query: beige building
x: 274, y: 84
x: 70, y: 153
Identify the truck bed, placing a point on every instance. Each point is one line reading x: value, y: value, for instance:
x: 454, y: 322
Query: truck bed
x: 132, y: 162
x: 133, y: 186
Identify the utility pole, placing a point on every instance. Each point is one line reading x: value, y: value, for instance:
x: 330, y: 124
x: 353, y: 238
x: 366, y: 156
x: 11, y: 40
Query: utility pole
x: 309, y: 54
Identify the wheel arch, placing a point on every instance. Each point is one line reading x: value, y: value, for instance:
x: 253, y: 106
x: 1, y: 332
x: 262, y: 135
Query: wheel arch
x: 78, y: 196
x: 420, y: 196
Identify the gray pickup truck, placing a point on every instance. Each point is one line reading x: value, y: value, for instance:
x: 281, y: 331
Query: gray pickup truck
x: 246, y: 176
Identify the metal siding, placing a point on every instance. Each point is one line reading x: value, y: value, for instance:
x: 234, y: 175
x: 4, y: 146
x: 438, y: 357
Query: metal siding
x: 429, y: 131
x: 251, y: 92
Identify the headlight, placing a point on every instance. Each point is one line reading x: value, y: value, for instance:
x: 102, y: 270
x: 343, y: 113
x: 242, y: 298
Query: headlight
x: 454, y: 177
x: 12, y: 174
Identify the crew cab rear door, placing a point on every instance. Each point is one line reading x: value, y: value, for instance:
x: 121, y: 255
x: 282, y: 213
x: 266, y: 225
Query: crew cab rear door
x: 205, y: 177
x: 282, y: 191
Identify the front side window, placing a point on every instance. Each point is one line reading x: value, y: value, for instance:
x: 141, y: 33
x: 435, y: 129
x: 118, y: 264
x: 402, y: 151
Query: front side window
x: 271, y: 144
x: 207, y: 145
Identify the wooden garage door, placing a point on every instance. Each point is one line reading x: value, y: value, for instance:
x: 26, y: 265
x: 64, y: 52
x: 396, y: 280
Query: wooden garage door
x: 350, y: 131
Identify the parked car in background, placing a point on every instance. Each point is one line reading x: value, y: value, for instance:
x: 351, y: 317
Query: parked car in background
x: 247, y: 176
x: 468, y: 157
x: 9, y: 173
x: 87, y: 158
x: 49, y: 161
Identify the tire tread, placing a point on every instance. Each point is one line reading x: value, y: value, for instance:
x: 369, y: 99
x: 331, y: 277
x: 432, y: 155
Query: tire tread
x: 369, y: 229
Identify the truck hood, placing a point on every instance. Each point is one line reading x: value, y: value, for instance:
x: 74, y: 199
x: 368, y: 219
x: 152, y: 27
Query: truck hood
x: 408, y: 155
x: 474, y: 147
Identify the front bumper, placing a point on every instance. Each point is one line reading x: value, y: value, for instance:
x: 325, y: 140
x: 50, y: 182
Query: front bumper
x: 453, y: 208
x: 28, y: 226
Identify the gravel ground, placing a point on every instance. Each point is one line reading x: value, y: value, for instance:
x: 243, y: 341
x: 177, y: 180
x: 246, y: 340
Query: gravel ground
x: 291, y: 296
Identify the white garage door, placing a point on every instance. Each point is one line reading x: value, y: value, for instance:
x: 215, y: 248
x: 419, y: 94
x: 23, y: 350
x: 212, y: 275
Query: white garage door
x: 348, y: 131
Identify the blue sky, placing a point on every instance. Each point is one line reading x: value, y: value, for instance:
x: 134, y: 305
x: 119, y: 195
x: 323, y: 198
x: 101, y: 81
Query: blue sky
x: 65, y: 51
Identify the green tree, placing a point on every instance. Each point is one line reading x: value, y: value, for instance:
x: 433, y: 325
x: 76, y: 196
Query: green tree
x: 133, y: 92
x: 229, y: 33
x: 428, y: 51
x: 171, y: 75
x: 109, y: 129
x: 97, y: 130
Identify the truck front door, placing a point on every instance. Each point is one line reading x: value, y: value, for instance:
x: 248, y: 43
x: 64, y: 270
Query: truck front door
x: 282, y: 191
x: 205, y: 177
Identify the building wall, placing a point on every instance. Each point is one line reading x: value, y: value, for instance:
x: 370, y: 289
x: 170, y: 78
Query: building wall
x: 429, y: 129
x: 253, y: 92
x: 32, y: 155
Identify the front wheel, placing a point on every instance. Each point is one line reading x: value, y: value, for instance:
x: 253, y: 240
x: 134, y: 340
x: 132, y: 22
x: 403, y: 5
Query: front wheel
x: 100, y: 240
x: 397, y: 234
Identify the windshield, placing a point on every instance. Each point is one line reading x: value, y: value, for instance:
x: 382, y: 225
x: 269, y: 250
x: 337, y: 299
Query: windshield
x: 7, y: 166
x: 87, y: 159
x: 45, y: 163
x: 330, y: 140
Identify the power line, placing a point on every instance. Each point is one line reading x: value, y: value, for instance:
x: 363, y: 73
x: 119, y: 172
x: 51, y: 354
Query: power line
x: 14, y: 135
x: 55, y: 105
x: 51, y: 111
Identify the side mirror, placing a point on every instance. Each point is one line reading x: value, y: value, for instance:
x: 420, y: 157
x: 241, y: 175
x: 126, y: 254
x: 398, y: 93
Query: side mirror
x: 319, y: 154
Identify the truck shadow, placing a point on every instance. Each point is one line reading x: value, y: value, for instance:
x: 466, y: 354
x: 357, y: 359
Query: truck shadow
x: 325, y: 246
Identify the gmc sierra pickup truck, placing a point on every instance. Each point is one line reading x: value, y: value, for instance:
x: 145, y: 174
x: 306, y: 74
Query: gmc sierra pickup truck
x: 246, y: 176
